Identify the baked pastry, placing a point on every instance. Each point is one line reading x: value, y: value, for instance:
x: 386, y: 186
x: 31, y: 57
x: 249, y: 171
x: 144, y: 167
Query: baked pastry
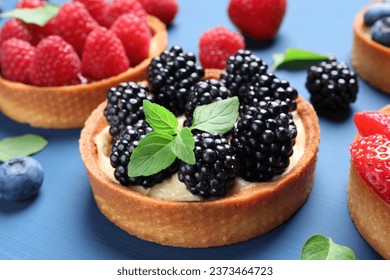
x: 243, y: 214
x: 369, y: 205
x: 69, y: 106
x: 370, y: 59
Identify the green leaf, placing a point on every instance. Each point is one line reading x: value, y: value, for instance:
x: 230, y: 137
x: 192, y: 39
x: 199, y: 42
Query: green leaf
x: 217, y: 117
x: 318, y: 247
x: 152, y: 155
x: 183, y: 146
x: 296, y: 59
x: 39, y: 16
x: 24, y: 145
x: 159, y: 118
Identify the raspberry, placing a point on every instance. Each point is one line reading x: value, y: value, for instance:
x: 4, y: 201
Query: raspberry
x: 120, y: 7
x: 371, y: 156
x: 73, y: 23
x: 16, y: 29
x: 370, y: 123
x: 165, y: 10
x: 16, y: 58
x: 135, y: 35
x: 96, y: 8
x: 104, y: 55
x: 217, y: 45
x: 30, y: 4
x: 55, y: 64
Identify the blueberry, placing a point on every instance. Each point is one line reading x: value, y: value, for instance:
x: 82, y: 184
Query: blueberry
x: 380, y: 31
x: 20, y: 178
x: 376, y: 12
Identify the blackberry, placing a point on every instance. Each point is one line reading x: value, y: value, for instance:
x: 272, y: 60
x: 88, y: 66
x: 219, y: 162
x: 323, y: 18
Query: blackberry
x: 122, y: 149
x: 332, y: 85
x: 171, y: 75
x: 241, y: 69
x: 124, y: 105
x: 202, y: 93
x: 215, y: 168
x: 263, y: 140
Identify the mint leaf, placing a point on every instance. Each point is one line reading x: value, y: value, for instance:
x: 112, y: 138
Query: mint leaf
x: 39, y: 16
x: 296, y: 59
x: 159, y: 118
x: 318, y: 247
x: 217, y: 117
x: 152, y: 155
x: 183, y: 146
x: 24, y: 145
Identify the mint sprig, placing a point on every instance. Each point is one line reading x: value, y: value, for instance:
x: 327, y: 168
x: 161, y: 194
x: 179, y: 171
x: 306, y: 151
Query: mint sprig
x: 39, y: 16
x: 24, y: 145
x: 160, y: 148
x: 296, y: 59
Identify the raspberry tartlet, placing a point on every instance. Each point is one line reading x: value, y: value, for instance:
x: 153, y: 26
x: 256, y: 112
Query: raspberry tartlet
x: 69, y: 105
x: 222, y: 209
x: 368, y: 187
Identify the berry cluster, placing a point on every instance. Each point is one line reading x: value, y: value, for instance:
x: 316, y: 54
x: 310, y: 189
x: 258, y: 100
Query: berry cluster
x: 377, y: 17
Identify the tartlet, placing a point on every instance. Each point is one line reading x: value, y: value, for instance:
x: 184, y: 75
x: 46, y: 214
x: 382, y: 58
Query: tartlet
x: 370, y: 59
x: 69, y: 106
x: 239, y: 217
x: 369, y: 212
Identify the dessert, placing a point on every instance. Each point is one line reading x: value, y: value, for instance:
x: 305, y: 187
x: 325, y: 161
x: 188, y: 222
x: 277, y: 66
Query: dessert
x: 371, y: 58
x: 368, y: 187
x: 68, y: 105
x: 214, y: 212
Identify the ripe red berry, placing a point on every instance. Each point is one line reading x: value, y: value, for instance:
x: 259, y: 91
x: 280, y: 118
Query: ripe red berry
x: 16, y: 58
x: 369, y: 123
x: 371, y: 156
x: 96, y: 8
x: 259, y: 19
x: 135, y: 36
x: 216, y: 45
x: 120, y: 7
x: 30, y: 4
x: 165, y: 10
x: 55, y: 63
x: 19, y: 30
x: 73, y: 23
x: 104, y: 55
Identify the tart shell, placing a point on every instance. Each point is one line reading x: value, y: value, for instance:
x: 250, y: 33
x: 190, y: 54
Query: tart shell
x: 249, y: 213
x: 69, y: 106
x: 369, y: 212
x: 370, y: 59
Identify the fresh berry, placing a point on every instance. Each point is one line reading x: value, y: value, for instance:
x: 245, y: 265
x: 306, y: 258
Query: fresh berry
x: 202, y: 93
x: 371, y: 156
x: 215, y: 168
x: 30, y: 4
x: 73, y: 23
x: 16, y: 29
x: 375, y: 12
x: 104, y: 55
x: 171, y: 75
x: 380, y: 31
x: 216, y: 45
x: 96, y: 8
x: 55, y: 63
x: 135, y: 35
x: 20, y: 178
x: 124, y: 105
x: 16, y: 57
x: 116, y: 8
x: 332, y: 85
x: 370, y: 123
x: 257, y: 19
x: 241, y: 69
x: 263, y: 139
x: 165, y: 10
x: 122, y: 149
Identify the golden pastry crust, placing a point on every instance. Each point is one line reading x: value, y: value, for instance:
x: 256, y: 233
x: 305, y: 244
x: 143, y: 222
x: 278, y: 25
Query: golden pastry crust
x: 247, y: 214
x: 69, y: 106
x: 370, y: 59
x: 369, y: 212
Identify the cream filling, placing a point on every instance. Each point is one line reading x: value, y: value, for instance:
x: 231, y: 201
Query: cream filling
x: 174, y: 190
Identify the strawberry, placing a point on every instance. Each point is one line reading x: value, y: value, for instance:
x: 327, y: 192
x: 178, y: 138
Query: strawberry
x: 369, y: 123
x: 55, y: 63
x: 135, y: 36
x: 16, y: 29
x: 73, y: 23
x: 16, y: 58
x: 104, y: 55
x: 29, y: 4
x: 258, y: 19
x: 96, y: 8
x: 120, y: 7
x: 216, y: 45
x: 165, y: 10
x: 371, y: 156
